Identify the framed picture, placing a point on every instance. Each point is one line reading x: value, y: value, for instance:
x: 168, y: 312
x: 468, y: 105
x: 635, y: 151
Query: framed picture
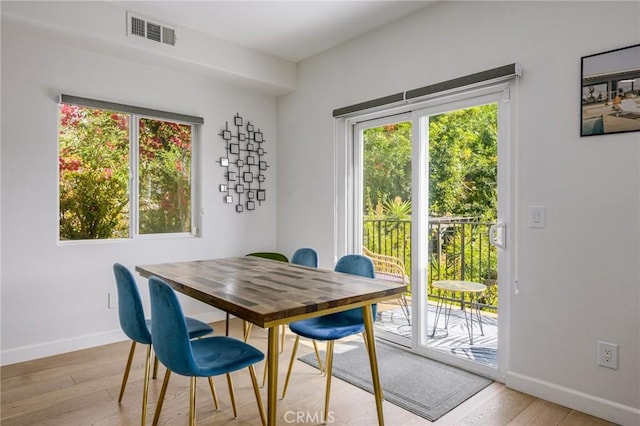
x: 610, y: 92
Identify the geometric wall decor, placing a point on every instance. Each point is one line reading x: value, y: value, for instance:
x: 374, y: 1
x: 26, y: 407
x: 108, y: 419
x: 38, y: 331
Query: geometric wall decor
x: 244, y: 165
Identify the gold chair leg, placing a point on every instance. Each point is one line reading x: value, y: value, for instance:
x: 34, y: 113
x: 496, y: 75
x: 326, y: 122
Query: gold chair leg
x: 254, y: 381
x: 126, y: 370
x: 247, y: 326
x: 315, y: 347
x: 214, y: 394
x: 232, y: 395
x: 145, y: 390
x: 328, y: 364
x: 282, y: 332
x: 155, y: 368
x: 264, y: 374
x: 163, y: 392
x: 192, y: 402
x: 293, y: 358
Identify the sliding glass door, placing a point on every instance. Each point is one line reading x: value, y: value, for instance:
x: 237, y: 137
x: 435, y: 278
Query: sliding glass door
x: 431, y: 197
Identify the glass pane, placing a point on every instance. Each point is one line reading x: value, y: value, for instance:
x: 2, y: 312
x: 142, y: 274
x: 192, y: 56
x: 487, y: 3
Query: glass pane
x: 165, y: 177
x: 386, y: 229
x: 463, y: 303
x: 93, y: 173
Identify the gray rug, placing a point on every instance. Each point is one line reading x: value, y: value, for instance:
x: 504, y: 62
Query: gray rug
x: 425, y: 387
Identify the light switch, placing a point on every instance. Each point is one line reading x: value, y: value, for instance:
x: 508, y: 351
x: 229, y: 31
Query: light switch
x: 537, y: 216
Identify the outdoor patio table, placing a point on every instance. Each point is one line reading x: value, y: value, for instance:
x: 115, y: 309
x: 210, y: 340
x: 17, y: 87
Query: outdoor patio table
x: 269, y: 293
x: 452, y: 286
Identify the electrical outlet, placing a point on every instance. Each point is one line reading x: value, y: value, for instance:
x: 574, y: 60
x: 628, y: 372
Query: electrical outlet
x: 608, y: 355
x: 112, y: 300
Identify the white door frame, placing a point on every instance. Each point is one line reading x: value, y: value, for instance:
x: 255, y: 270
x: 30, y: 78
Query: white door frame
x: 348, y: 212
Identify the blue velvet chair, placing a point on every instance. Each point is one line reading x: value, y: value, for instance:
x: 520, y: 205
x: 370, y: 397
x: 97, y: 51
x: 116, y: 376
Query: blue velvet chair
x: 305, y: 257
x: 334, y: 326
x: 206, y: 357
x: 136, y: 327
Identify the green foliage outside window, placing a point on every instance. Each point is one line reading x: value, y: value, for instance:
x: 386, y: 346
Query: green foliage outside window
x: 165, y: 177
x: 94, y: 173
x: 94, y: 167
x: 463, y: 162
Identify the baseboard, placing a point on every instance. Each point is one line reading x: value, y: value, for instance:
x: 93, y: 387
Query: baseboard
x: 57, y: 347
x: 590, y: 404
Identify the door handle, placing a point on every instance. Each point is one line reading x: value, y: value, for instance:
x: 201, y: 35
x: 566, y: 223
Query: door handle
x: 497, y: 235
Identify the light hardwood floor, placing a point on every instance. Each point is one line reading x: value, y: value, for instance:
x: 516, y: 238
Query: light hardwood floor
x: 81, y: 388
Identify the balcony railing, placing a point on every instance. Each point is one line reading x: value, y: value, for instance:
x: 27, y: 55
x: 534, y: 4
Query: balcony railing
x: 459, y: 249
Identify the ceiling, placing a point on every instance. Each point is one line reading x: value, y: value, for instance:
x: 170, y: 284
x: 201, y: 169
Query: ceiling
x: 291, y: 30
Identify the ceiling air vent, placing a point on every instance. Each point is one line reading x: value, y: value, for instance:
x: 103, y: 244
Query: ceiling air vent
x: 143, y: 27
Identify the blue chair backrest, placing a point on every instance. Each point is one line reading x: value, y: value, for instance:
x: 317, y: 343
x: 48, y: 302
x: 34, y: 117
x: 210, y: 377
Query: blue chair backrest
x: 130, y: 309
x: 357, y: 264
x: 169, y: 329
x: 305, y: 257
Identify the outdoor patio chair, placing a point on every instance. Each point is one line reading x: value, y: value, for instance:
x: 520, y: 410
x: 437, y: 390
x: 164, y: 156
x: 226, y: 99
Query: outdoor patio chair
x: 390, y: 268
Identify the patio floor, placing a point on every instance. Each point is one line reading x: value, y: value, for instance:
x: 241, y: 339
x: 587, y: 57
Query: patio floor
x: 484, y: 350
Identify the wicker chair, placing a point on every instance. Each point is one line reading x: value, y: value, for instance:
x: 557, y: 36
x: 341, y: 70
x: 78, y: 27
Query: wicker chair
x: 390, y: 268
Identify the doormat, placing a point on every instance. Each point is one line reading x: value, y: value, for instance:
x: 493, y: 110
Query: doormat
x: 420, y: 385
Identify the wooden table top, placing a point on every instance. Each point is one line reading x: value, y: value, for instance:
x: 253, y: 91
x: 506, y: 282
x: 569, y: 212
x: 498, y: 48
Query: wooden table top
x: 267, y: 292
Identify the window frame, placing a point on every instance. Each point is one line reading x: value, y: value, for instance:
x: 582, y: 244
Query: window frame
x: 134, y: 115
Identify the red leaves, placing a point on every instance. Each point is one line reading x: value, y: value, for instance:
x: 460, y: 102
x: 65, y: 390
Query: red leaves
x: 121, y: 120
x: 71, y: 164
x: 70, y: 115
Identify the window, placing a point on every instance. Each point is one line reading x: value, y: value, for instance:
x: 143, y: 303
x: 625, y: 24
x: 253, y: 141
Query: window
x: 122, y: 175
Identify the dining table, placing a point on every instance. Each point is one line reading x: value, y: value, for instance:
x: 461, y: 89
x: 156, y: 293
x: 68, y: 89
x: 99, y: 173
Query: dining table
x: 269, y: 293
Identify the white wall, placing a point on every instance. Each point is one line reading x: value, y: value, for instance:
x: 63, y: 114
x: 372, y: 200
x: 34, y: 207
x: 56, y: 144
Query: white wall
x: 54, y: 297
x: 580, y: 275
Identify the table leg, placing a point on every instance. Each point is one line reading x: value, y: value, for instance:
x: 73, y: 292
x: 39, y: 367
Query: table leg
x: 367, y: 313
x: 469, y: 322
x: 272, y: 382
x: 439, y: 304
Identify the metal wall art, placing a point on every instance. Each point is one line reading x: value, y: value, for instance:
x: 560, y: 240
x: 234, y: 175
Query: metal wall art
x: 244, y: 165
